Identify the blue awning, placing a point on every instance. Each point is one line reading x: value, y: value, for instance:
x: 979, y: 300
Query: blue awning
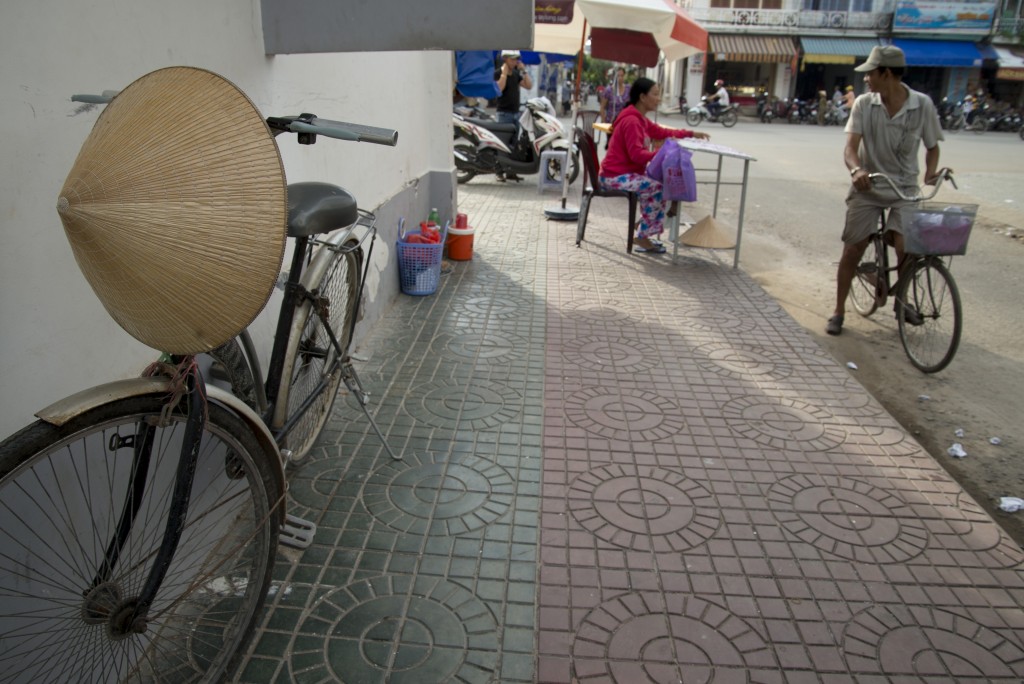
x: 939, y: 53
x: 987, y: 51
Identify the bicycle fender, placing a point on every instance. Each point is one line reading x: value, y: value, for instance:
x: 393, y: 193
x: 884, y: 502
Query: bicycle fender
x: 64, y: 410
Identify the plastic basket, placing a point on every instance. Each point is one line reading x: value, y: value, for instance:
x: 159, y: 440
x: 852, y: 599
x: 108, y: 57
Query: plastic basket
x: 419, y: 265
x: 938, y: 228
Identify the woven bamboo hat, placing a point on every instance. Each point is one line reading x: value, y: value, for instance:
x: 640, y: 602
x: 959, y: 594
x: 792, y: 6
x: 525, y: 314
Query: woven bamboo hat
x: 176, y: 210
x: 707, y: 233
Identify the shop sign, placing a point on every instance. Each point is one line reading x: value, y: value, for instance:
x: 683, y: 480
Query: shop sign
x: 928, y: 15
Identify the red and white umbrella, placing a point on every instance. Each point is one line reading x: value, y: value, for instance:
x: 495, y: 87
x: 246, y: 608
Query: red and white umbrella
x: 630, y: 31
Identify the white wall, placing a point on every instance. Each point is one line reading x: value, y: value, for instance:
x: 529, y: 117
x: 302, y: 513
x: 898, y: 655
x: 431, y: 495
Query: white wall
x: 55, y: 337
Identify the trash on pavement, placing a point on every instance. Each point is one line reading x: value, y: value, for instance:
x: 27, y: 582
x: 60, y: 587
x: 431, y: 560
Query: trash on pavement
x: 1010, y: 504
x: 959, y: 432
x: 995, y: 441
x: 923, y: 397
x: 851, y: 365
x: 957, y: 450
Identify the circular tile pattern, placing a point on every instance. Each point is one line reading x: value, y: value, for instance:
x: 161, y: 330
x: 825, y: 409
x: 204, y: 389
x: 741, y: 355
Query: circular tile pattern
x: 428, y: 494
x: 476, y: 405
x: 490, y: 306
x: 590, y: 281
x: 477, y: 345
x: 398, y: 630
x: 744, y: 361
x: 644, y: 508
x: 643, y: 637
x: 783, y: 423
x: 598, y: 312
x: 848, y: 518
x: 629, y: 414
x: 713, y: 318
x: 607, y: 354
x: 926, y: 644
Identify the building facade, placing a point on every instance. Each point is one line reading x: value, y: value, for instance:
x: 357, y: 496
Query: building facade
x: 795, y: 48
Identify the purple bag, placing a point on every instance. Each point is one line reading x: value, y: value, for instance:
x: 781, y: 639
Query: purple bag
x: 679, y: 179
x: 655, y: 167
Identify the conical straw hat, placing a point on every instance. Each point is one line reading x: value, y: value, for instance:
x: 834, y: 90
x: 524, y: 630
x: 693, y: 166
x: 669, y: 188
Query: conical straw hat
x: 707, y: 233
x: 176, y: 210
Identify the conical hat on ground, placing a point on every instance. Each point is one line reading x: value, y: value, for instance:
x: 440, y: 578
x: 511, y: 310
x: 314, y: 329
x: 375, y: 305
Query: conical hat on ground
x: 176, y: 210
x: 707, y: 233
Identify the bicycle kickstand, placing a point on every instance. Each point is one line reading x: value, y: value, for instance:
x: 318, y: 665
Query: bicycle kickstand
x: 348, y: 374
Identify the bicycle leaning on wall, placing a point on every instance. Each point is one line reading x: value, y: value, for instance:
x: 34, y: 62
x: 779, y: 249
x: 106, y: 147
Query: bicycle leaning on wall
x: 139, y: 520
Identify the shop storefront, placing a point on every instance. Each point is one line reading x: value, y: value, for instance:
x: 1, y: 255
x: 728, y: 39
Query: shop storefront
x: 941, y: 68
x: 829, y: 62
x: 1008, y: 83
x: 748, y: 63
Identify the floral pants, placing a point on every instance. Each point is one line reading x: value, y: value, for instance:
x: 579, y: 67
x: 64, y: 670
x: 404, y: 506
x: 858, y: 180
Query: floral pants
x: 648, y: 195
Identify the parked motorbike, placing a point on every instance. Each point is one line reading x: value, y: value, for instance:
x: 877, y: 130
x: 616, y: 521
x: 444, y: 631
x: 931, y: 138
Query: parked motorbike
x: 835, y: 115
x: 951, y: 115
x: 727, y: 116
x: 765, y: 111
x: 802, y: 111
x: 483, y: 146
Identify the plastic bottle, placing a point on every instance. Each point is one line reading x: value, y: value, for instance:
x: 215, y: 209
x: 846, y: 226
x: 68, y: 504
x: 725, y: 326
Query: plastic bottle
x: 434, y: 217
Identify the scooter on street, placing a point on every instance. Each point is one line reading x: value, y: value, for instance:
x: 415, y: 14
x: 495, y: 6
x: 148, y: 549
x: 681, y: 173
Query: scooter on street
x: 727, y: 116
x: 482, y: 146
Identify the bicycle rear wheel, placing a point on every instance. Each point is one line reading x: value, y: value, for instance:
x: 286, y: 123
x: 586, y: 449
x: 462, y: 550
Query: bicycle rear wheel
x: 310, y: 358
x: 932, y: 339
x: 868, y: 281
x: 63, y: 492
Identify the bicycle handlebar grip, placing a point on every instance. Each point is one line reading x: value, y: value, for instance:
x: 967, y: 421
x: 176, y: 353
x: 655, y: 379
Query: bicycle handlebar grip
x: 348, y: 131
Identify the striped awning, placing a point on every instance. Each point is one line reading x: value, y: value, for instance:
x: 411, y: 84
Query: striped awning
x: 837, y: 50
x: 741, y: 48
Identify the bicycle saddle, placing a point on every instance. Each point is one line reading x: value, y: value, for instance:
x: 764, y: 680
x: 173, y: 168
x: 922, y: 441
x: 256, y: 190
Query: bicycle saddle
x: 315, y: 208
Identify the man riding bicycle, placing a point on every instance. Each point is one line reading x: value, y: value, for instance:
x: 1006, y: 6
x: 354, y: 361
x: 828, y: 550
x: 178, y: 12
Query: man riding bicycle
x: 883, y: 135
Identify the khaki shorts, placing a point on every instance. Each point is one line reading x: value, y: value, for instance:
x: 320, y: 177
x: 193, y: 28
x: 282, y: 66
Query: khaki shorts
x: 864, y: 211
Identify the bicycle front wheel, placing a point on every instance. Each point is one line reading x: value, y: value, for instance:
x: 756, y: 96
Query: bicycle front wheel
x: 312, y: 370
x: 929, y: 314
x: 868, y: 281
x: 103, y: 481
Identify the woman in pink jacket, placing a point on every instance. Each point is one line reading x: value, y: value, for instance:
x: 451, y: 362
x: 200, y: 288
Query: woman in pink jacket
x: 625, y: 164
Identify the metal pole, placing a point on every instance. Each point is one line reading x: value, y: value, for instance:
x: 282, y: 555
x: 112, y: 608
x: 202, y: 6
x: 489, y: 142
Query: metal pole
x: 743, y: 203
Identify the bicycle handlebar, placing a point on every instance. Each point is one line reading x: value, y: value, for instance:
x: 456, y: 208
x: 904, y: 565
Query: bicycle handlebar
x: 308, y: 126
x: 943, y: 174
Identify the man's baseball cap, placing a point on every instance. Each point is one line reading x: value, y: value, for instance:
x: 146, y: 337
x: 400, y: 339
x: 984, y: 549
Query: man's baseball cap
x: 509, y: 53
x: 883, y: 56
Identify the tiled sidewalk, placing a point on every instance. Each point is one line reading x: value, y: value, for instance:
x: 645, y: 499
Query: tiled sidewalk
x: 617, y: 469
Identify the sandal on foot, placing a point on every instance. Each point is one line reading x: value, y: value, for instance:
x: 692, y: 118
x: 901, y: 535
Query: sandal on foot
x: 653, y: 249
x: 834, y: 325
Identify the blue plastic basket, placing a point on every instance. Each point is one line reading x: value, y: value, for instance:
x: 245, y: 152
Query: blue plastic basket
x: 419, y: 265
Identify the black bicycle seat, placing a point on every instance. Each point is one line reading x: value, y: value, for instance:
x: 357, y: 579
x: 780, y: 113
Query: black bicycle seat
x: 315, y: 208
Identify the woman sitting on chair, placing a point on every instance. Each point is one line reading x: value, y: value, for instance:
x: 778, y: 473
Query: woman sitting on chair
x: 625, y: 164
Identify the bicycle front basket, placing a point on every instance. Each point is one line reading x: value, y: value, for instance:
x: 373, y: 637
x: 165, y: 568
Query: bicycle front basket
x: 938, y: 228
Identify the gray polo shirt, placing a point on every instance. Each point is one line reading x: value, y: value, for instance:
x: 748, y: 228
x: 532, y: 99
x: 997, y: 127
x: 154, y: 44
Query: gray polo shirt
x: 891, y: 145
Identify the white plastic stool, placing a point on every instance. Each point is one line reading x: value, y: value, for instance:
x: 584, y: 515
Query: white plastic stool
x: 543, y: 182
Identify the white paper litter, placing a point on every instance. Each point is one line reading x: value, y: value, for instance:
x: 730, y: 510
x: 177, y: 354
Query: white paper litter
x: 957, y: 450
x: 923, y: 397
x: 995, y: 441
x: 959, y: 432
x: 1010, y: 504
x: 851, y: 365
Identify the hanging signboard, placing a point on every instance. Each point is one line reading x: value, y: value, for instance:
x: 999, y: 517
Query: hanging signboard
x: 927, y: 15
x: 553, y: 11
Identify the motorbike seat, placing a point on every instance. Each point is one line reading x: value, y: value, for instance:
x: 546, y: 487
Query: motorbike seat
x: 494, y: 126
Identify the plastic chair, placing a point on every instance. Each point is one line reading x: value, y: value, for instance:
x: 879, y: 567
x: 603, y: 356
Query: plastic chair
x: 592, y: 188
x: 586, y: 118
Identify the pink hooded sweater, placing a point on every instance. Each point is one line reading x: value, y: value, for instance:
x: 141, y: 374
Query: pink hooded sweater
x: 627, y: 150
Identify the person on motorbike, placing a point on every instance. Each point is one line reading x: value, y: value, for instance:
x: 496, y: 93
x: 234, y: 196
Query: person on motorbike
x: 718, y: 101
x: 510, y: 77
x: 624, y: 167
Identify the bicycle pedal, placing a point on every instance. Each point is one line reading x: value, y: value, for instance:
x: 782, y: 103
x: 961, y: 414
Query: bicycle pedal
x: 297, y: 532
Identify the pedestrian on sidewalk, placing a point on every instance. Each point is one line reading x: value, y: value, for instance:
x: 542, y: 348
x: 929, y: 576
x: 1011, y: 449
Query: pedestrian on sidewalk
x: 883, y: 135
x: 625, y: 165
x: 510, y: 77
